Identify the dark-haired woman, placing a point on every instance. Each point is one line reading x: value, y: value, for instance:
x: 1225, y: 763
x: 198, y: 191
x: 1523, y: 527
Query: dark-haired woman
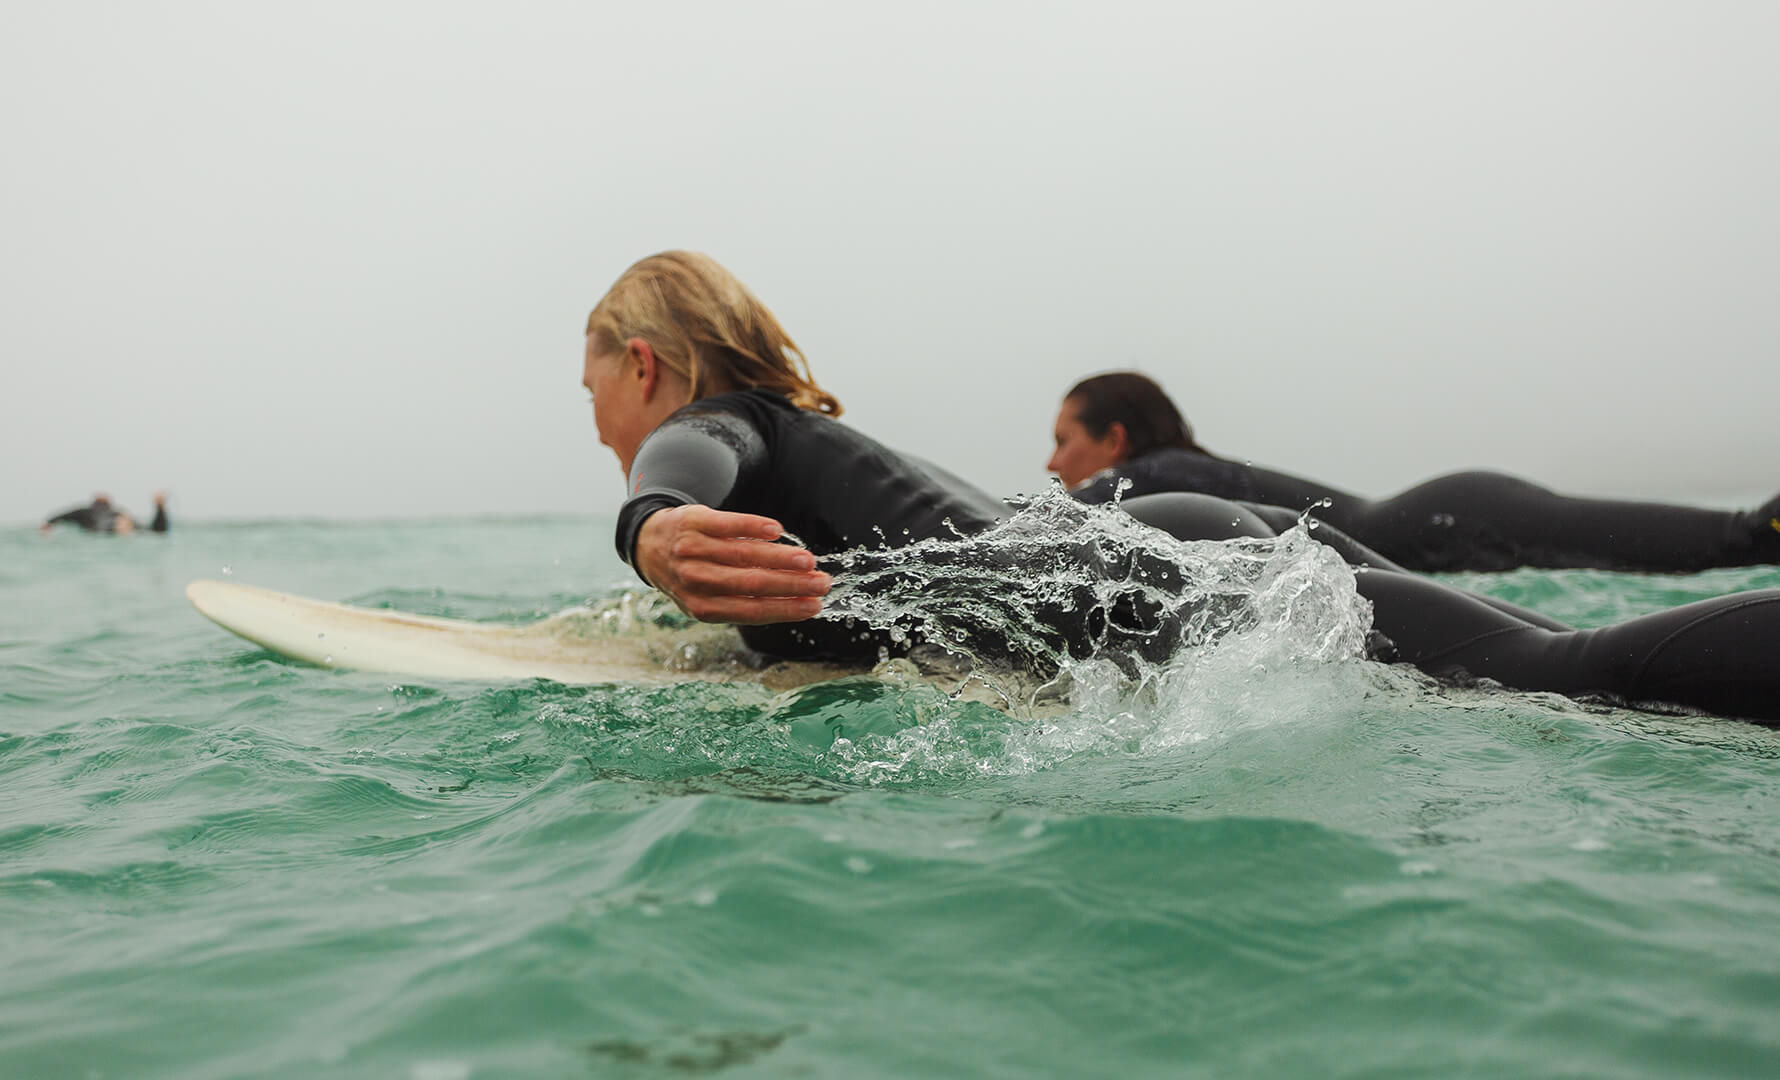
x: 1121, y: 431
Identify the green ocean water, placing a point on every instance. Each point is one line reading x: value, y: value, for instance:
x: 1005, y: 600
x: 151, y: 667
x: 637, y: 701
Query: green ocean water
x: 214, y: 863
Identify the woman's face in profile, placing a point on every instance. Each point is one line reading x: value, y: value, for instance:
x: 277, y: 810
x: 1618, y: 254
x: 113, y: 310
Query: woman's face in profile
x: 1079, y: 454
x: 617, y: 405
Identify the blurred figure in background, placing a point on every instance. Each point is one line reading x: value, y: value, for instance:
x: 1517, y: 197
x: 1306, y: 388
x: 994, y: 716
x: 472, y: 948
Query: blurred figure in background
x: 101, y: 517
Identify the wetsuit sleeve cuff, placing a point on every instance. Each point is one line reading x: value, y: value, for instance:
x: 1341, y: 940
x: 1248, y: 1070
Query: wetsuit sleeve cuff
x: 637, y: 511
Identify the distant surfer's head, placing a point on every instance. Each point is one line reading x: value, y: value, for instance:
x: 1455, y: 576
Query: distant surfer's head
x: 1112, y: 418
x: 704, y: 325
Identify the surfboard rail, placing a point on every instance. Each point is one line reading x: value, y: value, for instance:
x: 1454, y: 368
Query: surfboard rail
x: 569, y: 647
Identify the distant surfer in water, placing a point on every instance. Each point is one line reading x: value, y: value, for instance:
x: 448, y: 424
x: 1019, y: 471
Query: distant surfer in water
x: 730, y: 446
x: 101, y: 516
x: 1121, y: 430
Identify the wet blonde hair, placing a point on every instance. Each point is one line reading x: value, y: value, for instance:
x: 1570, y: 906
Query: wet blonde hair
x: 705, y: 325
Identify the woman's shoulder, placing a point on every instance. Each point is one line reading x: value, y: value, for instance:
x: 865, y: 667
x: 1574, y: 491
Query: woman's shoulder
x: 767, y: 420
x: 1175, y: 457
x: 745, y: 402
x: 761, y: 411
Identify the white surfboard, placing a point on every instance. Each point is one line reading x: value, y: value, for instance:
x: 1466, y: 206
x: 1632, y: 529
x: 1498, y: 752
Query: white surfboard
x: 573, y: 647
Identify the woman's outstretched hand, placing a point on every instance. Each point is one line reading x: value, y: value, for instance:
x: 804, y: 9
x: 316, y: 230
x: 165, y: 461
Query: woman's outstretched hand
x: 724, y: 567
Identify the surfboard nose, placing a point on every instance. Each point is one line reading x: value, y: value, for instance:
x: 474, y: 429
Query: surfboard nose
x: 205, y: 595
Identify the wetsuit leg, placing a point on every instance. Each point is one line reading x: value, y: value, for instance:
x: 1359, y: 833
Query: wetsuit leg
x: 1489, y: 521
x: 1717, y: 655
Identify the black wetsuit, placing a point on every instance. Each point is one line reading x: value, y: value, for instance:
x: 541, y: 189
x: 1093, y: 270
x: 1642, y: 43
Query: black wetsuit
x: 98, y: 517
x: 834, y: 488
x: 830, y: 486
x: 104, y: 517
x: 1475, y: 520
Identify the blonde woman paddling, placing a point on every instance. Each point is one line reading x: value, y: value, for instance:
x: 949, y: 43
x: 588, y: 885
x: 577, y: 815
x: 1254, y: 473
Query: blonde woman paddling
x: 728, y: 444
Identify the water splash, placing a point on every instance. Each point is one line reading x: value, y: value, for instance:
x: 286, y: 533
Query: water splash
x: 1105, y: 603
x: 1097, y: 633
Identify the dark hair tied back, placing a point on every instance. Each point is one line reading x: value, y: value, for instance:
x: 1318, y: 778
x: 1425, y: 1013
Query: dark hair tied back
x: 1151, y: 420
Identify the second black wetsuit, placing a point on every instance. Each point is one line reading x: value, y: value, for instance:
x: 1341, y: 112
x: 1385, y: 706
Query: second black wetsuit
x: 95, y: 517
x: 1475, y: 520
x: 835, y: 489
x: 101, y: 516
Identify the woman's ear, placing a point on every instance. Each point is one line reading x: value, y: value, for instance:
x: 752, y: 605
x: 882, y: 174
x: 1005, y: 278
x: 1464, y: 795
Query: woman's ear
x: 1118, y: 440
x: 639, y: 357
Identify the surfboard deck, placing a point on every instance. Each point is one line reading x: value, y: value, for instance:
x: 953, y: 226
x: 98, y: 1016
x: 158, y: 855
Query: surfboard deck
x: 573, y: 647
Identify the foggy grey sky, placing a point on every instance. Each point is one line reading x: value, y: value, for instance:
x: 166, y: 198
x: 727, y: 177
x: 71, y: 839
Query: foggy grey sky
x: 334, y: 259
